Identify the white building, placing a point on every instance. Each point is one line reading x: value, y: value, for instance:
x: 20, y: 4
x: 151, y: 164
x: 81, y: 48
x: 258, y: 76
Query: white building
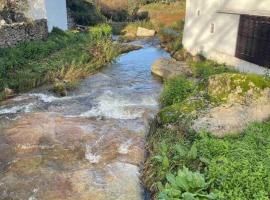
x: 55, y: 11
x: 235, y: 32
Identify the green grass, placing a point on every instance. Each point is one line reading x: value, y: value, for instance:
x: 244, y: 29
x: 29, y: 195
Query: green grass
x: 34, y: 63
x: 238, y: 166
x: 205, y: 69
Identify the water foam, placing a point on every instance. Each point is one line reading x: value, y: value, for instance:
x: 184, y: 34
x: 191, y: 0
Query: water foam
x: 92, y: 158
x: 43, y: 97
x: 114, y: 106
x: 16, y: 109
x: 89, y: 155
x: 124, y: 148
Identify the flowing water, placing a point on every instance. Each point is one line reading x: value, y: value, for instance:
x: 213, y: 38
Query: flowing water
x: 88, y: 145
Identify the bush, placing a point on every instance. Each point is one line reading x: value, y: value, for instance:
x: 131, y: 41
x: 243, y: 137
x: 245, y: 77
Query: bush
x: 176, y: 90
x: 100, y: 31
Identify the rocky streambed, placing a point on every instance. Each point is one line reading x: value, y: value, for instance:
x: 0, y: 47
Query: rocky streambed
x: 88, y: 145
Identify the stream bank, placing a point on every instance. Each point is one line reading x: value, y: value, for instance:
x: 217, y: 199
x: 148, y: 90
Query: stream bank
x: 210, y: 138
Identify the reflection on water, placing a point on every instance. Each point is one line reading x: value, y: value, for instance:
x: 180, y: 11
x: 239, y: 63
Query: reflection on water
x: 88, y: 145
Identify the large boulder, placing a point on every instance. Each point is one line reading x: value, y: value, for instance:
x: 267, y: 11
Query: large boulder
x: 143, y: 32
x: 167, y: 68
x: 243, y: 99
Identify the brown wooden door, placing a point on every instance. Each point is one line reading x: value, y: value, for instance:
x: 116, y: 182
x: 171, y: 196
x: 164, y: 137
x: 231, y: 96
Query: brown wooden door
x: 253, y: 43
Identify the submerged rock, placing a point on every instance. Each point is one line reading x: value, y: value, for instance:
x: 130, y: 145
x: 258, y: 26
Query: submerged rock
x: 167, y: 68
x: 143, y: 32
x: 47, y: 156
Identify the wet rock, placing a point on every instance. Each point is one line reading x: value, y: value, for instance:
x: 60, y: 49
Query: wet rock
x: 125, y: 48
x: 143, y: 32
x: 166, y: 68
x: 9, y: 93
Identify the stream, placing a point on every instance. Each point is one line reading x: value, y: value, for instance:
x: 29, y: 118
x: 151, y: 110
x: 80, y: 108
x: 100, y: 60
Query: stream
x: 89, y: 145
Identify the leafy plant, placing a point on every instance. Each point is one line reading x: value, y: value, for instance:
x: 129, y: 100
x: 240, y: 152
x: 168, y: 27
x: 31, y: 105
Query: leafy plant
x: 185, y: 185
x: 176, y: 90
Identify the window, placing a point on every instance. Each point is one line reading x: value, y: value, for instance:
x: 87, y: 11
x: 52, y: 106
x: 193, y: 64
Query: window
x: 212, y: 28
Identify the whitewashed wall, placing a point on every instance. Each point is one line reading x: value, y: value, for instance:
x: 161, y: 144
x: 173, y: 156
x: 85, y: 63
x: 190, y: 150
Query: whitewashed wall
x: 56, y: 11
x: 224, y: 16
x: 201, y: 15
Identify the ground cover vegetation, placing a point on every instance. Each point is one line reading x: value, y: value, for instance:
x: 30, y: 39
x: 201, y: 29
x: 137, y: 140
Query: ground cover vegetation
x: 63, y: 58
x: 184, y: 164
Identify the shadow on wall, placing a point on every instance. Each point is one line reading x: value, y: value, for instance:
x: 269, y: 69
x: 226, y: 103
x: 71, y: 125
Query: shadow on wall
x: 199, y: 19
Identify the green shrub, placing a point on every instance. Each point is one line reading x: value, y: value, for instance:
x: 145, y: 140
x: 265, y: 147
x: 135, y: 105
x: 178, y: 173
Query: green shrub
x: 176, y: 90
x: 100, y: 31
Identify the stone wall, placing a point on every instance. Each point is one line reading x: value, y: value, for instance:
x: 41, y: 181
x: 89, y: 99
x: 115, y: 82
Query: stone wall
x: 13, y: 34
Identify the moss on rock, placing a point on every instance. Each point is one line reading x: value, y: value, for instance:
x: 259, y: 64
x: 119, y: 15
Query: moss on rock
x: 183, y: 112
x: 239, y: 88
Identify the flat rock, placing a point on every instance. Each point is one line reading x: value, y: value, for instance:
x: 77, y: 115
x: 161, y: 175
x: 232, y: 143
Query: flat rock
x: 143, y: 32
x: 167, y: 68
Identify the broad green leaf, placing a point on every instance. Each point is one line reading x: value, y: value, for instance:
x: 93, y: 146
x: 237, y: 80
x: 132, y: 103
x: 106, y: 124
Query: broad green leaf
x: 171, y: 178
x: 182, y: 183
x: 188, y: 196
